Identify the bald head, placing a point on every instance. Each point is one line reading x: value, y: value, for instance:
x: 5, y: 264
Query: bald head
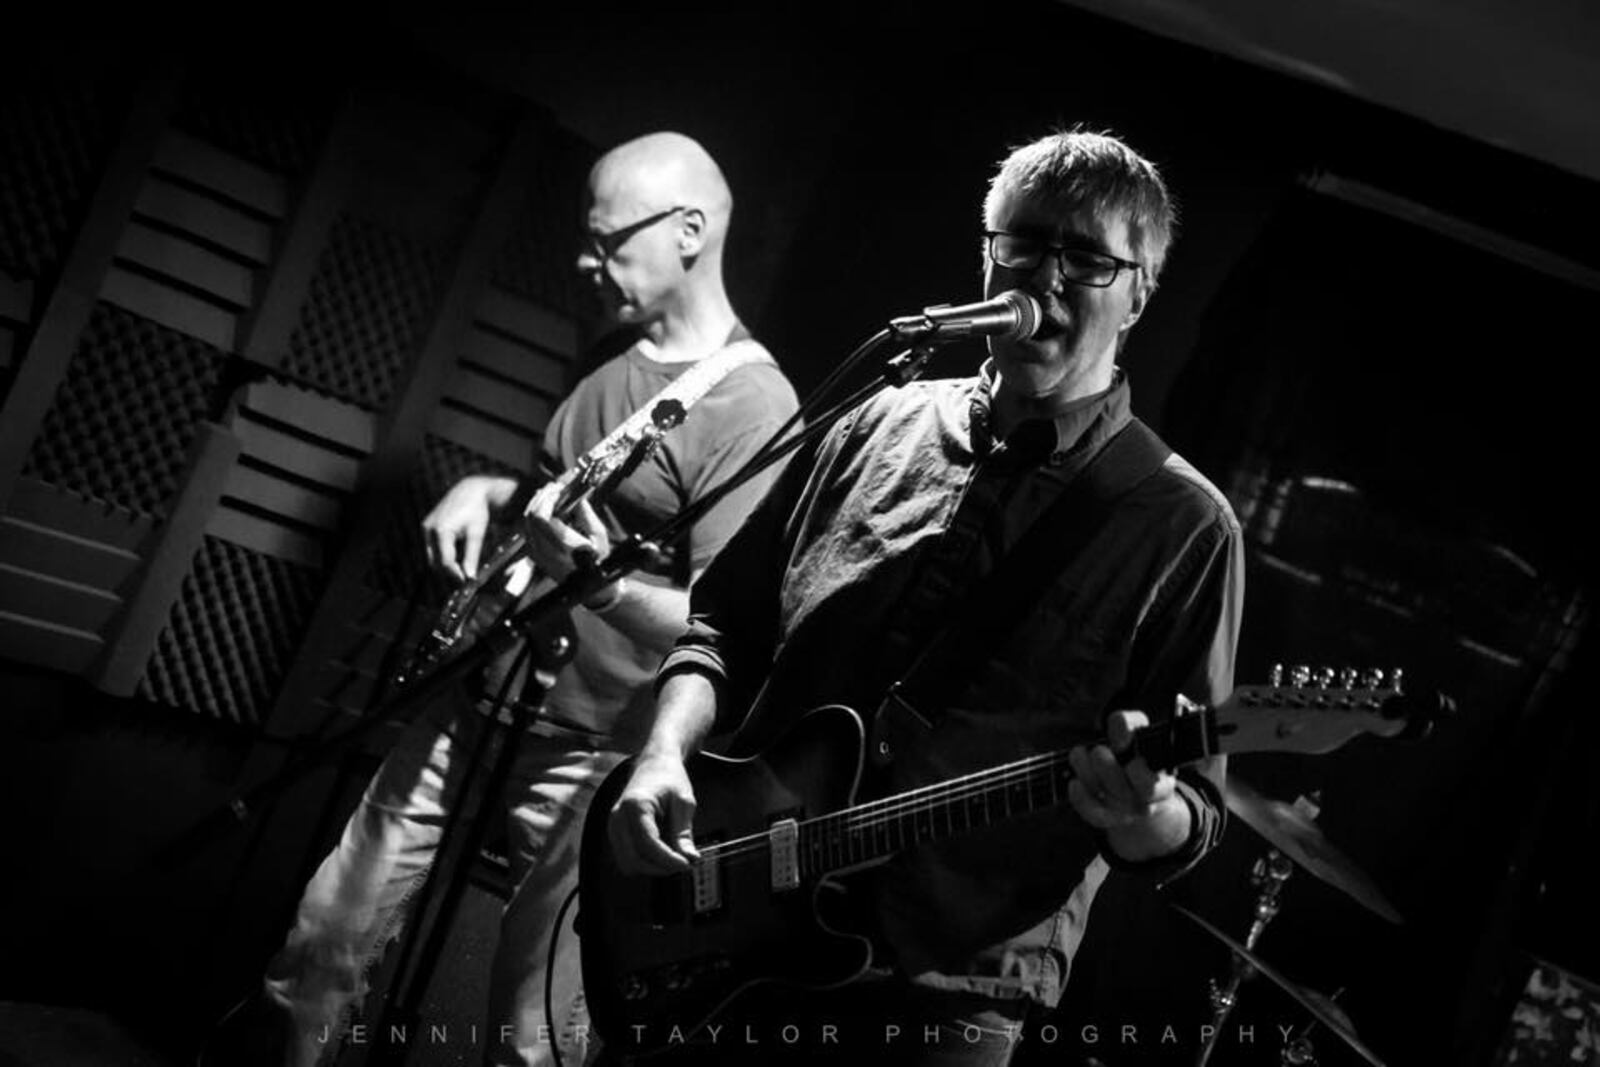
x: 660, y: 171
x: 656, y: 222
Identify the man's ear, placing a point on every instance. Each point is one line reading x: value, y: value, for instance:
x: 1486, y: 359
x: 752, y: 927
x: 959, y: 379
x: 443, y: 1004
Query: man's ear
x: 691, y: 232
x: 1142, y: 290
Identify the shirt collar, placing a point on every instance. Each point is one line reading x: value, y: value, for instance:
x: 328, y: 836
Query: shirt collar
x: 1080, y: 427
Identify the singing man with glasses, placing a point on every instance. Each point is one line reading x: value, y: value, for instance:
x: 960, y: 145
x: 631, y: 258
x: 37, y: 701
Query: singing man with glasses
x: 987, y: 568
x: 657, y: 217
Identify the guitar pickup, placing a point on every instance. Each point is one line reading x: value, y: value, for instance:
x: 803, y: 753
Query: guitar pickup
x: 783, y: 839
x: 705, y: 879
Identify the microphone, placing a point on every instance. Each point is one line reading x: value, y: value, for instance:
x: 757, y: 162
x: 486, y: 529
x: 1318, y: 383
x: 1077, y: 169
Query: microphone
x: 1013, y: 315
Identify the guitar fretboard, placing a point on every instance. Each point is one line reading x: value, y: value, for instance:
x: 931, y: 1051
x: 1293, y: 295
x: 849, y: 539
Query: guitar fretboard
x: 879, y: 829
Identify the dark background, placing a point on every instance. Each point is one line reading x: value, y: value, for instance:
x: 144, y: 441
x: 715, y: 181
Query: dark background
x: 1371, y: 335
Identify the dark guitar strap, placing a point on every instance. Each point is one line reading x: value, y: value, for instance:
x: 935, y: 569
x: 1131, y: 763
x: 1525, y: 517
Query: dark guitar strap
x: 977, y: 622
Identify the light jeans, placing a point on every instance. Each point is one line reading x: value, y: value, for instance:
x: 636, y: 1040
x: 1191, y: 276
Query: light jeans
x: 354, y: 904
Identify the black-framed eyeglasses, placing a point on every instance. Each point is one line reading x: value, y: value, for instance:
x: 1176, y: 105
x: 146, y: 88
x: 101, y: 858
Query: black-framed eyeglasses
x: 1081, y: 266
x: 605, y: 245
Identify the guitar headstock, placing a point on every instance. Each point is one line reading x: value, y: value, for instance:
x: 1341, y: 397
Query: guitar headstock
x: 1305, y: 709
x: 1315, y: 710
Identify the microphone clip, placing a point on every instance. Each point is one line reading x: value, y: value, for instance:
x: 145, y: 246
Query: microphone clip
x: 909, y: 364
x: 922, y: 328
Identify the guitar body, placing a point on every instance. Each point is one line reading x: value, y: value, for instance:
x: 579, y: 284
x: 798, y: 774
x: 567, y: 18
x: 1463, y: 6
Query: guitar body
x: 655, y: 960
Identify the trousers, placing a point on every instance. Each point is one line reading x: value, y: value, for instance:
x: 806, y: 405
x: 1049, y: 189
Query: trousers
x: 355, y: 904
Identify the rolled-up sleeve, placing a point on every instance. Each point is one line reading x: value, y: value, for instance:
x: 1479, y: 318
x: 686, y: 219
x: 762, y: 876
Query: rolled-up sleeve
x: 734, y: 605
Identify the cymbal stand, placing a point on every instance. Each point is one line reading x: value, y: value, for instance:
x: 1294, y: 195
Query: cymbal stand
x: 1299, y: 1051
x: 1268, y: 876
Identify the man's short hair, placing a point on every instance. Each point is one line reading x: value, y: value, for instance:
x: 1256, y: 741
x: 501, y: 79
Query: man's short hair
x: 1073, y: 169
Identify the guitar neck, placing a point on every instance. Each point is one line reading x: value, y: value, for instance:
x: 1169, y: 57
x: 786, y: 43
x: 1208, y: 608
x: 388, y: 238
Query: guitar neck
x: 1274, y: 718
x: 581, y: 480
x: 515, y: 544
x: 877, y: 830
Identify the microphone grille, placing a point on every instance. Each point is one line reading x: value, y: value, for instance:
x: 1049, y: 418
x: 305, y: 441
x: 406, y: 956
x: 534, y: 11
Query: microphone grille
x: 1029, y: 315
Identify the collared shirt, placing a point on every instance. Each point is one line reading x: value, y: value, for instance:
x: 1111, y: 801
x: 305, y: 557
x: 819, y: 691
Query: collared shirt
x: 837, y: 581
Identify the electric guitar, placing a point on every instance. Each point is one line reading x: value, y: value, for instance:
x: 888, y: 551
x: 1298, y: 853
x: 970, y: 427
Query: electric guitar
x: 662, y: 955
x: 482, y: 600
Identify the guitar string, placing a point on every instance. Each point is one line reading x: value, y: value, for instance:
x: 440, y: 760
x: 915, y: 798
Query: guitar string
x: 994, y: 777
x: 883, y: 812
x: 688, y: 389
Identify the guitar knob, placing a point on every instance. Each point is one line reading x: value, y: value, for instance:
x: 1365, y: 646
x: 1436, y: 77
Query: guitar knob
x: 673, y: 978
x: 1373, y: 679
x: 1396, y: 677
x: 1348, y: 677
x: 1275, y: 676
x: 1325, y: 677
x: 1300, y: 675
x: 634, y: 988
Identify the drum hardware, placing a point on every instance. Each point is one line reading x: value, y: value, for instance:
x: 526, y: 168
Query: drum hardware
x: 1299, y: 1051
x: 1292, y: 833
x: 1291, y: 829
x: 1321, y: 1008
x: 1268, y: 876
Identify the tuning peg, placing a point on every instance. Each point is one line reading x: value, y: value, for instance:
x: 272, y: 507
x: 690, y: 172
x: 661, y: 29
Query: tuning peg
x: 1348, y: 678
x: 1275, y: 676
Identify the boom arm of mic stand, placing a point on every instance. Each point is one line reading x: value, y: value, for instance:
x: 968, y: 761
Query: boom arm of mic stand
x: 592, y: 575
x: 899, y: 370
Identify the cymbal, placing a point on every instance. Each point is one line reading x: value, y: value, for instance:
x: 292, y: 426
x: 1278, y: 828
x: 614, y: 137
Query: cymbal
x: 1319, y: 1006
x: 1297, y: 837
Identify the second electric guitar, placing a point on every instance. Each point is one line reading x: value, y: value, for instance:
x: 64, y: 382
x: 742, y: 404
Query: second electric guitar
x: 663, y: 955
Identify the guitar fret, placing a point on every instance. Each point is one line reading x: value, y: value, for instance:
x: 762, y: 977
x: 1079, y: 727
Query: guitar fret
x: 847, y: 839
